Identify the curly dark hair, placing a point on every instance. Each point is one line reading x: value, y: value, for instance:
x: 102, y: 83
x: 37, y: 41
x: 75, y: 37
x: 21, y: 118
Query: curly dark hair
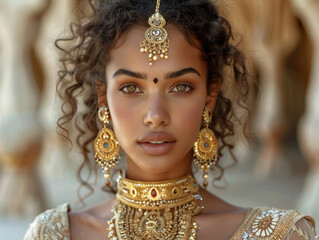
x: 85, y: 52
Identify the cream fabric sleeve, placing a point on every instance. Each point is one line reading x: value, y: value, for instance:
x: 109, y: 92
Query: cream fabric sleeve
x: 304, y: 229
x: 50, y: 225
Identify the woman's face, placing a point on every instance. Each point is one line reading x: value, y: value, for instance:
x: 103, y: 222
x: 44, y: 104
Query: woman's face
x: 156, y: 110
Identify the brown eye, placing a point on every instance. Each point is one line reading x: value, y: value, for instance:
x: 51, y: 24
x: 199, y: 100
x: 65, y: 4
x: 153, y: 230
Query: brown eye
x: 131, y: 89
x: 182, y: 88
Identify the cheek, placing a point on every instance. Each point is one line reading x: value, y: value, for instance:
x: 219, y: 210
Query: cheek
x: 124, y: 115
x: 187, y: 119
x: 190, y: 117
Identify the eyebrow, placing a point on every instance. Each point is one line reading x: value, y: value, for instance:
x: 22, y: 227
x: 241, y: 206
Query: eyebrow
x: 181, y: 73
x: 170, y: 75
x: 129, y: 73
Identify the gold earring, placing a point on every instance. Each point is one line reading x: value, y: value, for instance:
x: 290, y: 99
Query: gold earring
x: 206, y: 147
x: 106, y: 146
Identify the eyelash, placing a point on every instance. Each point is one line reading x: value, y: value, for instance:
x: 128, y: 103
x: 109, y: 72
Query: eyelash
x: 187, y: 85
x: 122, y: 87
x: 189, y: 88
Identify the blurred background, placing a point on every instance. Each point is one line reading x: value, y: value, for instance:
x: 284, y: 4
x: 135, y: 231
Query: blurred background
x: 280, y: 168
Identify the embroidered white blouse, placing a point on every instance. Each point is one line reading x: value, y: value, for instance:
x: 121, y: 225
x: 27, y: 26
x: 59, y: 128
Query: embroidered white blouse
x: 261, y: 223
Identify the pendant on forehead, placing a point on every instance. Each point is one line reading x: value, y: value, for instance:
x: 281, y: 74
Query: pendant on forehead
x: 156, y: 42
x: 155, y: 80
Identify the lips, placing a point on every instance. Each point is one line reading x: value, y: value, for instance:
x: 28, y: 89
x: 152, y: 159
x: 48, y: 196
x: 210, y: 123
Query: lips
x: 158, y: 143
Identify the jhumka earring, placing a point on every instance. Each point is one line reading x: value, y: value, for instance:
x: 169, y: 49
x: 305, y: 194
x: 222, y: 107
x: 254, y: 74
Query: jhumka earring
x: 206, y: 147
x: 156, y: 41
x: 106, y: 146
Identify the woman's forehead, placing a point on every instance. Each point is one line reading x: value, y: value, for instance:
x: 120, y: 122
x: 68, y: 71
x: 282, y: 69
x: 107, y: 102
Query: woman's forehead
x: 180, y: 54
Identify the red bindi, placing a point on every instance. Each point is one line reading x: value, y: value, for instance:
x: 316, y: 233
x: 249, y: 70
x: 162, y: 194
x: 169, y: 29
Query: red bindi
x: 155, y: 80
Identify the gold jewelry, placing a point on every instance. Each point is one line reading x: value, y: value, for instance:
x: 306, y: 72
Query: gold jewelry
x: 206, y: 147
x: 155, y: 210
x: 106, y: 146
x: 156, y: 41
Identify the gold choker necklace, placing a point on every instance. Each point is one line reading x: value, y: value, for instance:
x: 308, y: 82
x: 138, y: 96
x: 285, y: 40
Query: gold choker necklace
x: 155, y: 210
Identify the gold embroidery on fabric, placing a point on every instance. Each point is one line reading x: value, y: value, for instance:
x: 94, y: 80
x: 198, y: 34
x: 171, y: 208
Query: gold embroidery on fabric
x: 52, y: 224
x: 299, y: 232
x: 265, y: 223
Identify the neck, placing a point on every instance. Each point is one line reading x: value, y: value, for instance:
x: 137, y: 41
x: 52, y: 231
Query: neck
x: 135, y: 172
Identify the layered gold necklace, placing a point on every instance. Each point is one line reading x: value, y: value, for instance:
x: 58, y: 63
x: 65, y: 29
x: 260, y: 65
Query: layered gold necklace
x: 162, y: 210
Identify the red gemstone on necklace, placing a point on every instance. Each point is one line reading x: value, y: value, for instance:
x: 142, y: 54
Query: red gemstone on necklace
x: 153, y: 193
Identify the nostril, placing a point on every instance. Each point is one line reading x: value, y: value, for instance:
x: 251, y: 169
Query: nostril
x: 156, y: 119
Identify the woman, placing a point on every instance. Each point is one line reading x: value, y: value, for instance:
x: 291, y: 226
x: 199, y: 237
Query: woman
x: 156, y: 71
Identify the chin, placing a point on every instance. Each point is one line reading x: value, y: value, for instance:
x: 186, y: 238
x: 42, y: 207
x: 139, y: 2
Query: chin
x: 157, y: 164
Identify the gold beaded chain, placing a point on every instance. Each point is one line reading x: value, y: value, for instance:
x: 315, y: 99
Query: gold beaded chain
x: 158, y: 2
x: 155, y: 210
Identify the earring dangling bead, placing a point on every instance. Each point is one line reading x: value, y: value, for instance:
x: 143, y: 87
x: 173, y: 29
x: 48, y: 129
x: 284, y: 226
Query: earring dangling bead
x: 205, y: 177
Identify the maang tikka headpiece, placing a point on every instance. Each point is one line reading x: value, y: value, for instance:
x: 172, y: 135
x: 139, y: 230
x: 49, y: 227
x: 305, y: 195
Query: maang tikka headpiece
x: 156, y: 41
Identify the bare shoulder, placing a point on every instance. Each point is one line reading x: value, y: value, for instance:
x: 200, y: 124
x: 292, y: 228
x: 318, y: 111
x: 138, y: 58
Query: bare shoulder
x: 92, y: 222
x: 219, y: 219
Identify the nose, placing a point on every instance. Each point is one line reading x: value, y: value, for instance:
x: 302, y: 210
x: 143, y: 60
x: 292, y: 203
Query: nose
x: 157, y: 112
